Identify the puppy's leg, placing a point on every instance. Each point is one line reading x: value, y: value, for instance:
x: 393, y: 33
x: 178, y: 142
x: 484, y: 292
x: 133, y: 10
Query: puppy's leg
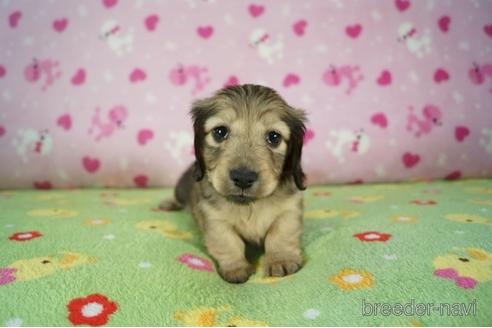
x: 181, y: 193
x: 283, y: 254
x: 227, y: 248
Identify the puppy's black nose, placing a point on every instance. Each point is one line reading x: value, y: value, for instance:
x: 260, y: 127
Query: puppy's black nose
x: 243, y: 178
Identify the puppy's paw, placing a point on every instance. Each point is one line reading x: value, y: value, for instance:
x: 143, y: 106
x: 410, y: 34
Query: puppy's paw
x: 282, y: 266
x: 237, y: 275
x: 170, y: 205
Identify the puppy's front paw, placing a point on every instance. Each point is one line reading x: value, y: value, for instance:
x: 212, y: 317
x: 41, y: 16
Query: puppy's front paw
x: 237, y: 275
x: 282, y: 266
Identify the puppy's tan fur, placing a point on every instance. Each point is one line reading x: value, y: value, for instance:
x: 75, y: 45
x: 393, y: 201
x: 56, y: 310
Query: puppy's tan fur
x: 268, y: 213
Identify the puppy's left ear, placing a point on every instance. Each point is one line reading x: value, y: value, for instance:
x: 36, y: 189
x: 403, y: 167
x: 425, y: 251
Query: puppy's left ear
x: 200, y: 112
x: 292, y: 166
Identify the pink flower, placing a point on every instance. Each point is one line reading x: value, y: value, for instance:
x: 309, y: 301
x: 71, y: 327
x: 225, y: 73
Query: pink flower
x: 195, y: 262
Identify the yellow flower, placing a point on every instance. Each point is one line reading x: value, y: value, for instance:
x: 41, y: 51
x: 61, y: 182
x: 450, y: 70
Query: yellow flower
x: 349, y: 279
x: 97, y: 221
x: 53, y: 212
x: 481, y: 201
x: 403, y: 219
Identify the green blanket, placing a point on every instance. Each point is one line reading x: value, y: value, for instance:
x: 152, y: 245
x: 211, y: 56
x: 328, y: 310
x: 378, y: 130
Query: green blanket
x: 412, y: 254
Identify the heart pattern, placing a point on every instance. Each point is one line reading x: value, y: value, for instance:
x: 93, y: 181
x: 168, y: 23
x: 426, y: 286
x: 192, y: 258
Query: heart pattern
x: 384, y: 78
x: 137, y: 75
x: 64, y: 121
x: 410, y: 160
x: 402, y: 5
x: 443, y: 23
x: 299, y: 27
x: 353, y: 31
x: 256, y: 10
x: 205, y: 32
x: 441, y: 75
x: 144, y: 136
x: 291, y: 79
x: 380, y: 120
x: 91, y: 165
x: 151, y: 22
x: 376, y: 81
x: 461, y: 132
x: 60, y: 25
x: 141, y: 180
x: 79, y: 77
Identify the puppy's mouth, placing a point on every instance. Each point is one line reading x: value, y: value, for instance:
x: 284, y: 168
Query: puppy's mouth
x: 240, y: 199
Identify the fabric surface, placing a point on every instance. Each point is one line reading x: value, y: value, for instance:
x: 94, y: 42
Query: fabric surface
x: 97, y: 93
x: 94, y: 257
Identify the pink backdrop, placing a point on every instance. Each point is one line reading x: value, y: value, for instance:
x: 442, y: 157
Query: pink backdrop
x: 98, y: 92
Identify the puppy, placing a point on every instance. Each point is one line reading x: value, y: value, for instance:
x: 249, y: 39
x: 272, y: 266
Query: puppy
x: 247, y: 180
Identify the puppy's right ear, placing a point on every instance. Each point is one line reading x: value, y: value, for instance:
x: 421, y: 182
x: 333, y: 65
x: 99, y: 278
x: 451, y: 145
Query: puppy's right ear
x: 200, y: 112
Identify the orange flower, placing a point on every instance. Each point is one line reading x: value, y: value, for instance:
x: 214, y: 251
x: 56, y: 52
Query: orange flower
x: 349, y: 279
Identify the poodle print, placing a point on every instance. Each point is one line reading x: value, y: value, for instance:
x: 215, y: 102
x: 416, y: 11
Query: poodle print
x: 197, y: 74
x: 32, y: 142
x: 431, y: 117
x: 478, y: 74
x: 104, y: 129
x: 46, y: 69
x: 417, y: 44
x: 116, y: 40
x: 267, y: 48
x: 347, y: 142
x: 335, y: 76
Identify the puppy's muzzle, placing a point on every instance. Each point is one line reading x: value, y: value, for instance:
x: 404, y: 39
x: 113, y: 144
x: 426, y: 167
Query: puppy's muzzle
x: 243, y: 177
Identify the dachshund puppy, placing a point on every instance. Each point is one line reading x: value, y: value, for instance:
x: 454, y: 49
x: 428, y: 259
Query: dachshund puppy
x: 247, y: 179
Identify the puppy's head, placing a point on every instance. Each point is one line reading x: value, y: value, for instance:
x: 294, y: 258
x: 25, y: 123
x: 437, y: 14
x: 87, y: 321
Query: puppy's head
x: 248, y: 141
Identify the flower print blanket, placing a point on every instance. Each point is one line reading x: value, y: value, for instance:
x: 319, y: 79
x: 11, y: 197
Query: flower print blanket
x: 385, y: 254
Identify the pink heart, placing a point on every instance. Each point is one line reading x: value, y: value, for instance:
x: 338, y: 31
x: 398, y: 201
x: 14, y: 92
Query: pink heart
x: 308, y: 136
x: 60, y: 24
x: 455, y: 175
x: 141, y: 180
x: 410, y: 160
x: 2, y: 131
x: 461, y: 132
x: 291, y: 79
x: 151, y: 22
x: 488, y: 30
x: 353, y: 30
x: 299, y: 27
x: 443, y: 23
x: 79, y: 77
x: 441, y: 75
x: 14, y: 18
x: 380, y: 120
x: 384, y: 78
x: 43, y: 185
x: 91, y: 165
x: 144, y: 136
x: 109, y: 3
x: 232, y: 81
x: 64, y: 121
x: 402, y: 5
x: 205, y: 31
x: 3, y: 71
x: 137, y: 75
x: 256, y: 10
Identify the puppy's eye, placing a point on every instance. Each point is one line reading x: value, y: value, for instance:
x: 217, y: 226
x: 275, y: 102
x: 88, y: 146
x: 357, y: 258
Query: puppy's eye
x: 220, y: 133
x: 273, y: 138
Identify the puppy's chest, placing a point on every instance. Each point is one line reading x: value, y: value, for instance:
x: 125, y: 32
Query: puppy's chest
x: 253, y: 222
